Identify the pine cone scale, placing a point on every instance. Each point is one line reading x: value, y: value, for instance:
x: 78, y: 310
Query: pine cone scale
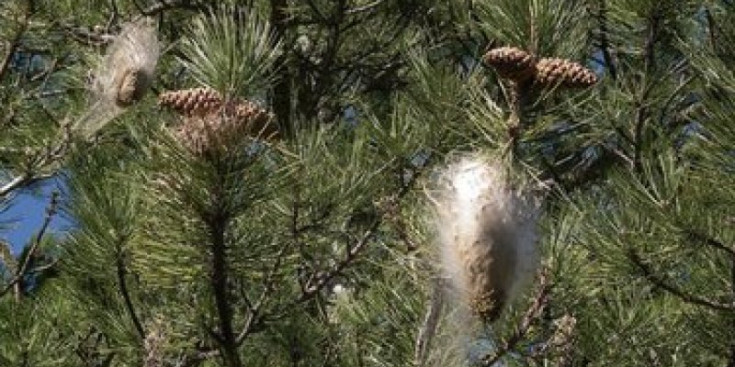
x: 212, y: 124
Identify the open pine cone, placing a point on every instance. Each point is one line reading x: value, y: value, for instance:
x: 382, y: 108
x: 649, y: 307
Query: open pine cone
x: 511, y: 62
x: 192, y: 102
x: 212, y: 124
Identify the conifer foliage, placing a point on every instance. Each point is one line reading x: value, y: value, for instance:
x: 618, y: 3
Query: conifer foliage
x: 367, y: 183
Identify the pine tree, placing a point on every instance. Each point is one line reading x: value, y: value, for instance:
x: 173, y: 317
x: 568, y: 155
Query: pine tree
x: 276, y: 183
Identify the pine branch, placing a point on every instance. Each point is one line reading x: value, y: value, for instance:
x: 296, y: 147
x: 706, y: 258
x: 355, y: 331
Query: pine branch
x: 121, y: 273
x: 253, y: 318
x: 660, y: 282
x: 256, y: 319
x: 711, y: 242
x: 217, y: 221
x: 14, y: 43
x: 320, y: 279
x: 604, y: 42
x: 282, y: 89
x: 44, y: 157
x: 17, y: 281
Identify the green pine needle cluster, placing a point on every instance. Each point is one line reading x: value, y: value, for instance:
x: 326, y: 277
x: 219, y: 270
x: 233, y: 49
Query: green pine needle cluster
x: 319, y: 247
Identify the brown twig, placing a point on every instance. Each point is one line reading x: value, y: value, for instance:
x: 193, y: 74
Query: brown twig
x: 518, y: 100
x: 45, y: 156
x: 86, y: 37
x: 23, y: 268
x: 321, y: 279
x: 253, y: 317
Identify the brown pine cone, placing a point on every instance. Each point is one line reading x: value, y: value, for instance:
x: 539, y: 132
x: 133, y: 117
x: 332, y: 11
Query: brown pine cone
x: 257, y: 121
x: 554, y: 71
x: 511, y: 62
x: 192, y: 102
x: 223, y: 128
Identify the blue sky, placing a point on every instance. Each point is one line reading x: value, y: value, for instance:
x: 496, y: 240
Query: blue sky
x: 22, y: 219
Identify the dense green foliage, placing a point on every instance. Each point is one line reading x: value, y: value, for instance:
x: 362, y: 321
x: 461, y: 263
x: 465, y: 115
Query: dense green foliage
x: 317, y: 249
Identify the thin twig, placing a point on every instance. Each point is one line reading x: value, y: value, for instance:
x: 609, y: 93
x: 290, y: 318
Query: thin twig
x: 604, y: 41
x: 45, y: 156
x: 319, y: 280
x: 14, y: 43
x: 254, y: 309
x: 20, y: 272
x: 121, y: 273
x: 709, y: 241
x: 658, y: 281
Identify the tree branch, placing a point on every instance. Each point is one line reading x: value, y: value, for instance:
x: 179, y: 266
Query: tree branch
x: 711, y: 242
x: 217, y: 223
x: 14, y: 43
x: 23, y: 268
x: 604, y: 41
x: 658, y: 281
x: 253, y: 317
x: 43, y: 157
x: 121, y: 273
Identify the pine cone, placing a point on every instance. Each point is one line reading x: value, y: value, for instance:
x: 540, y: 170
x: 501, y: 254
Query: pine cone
x: 511, y: 62
x: 192, y: 102
x: 223, y: 128
x: 553, y: 71
x: 258, y: 122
